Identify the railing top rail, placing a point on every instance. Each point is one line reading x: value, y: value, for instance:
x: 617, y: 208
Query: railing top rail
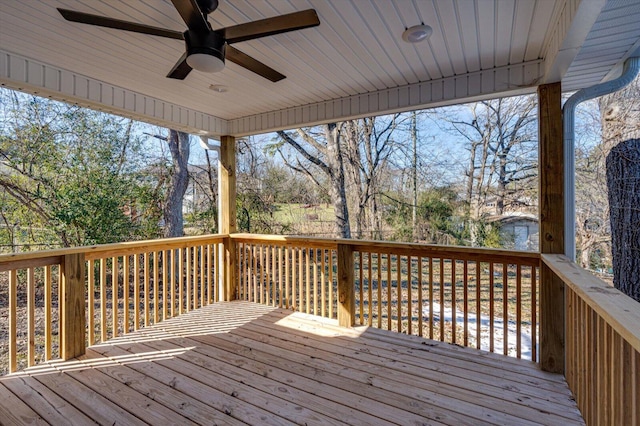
x: 52, y: 257
x: 616, y: 308
x: 384, y: 246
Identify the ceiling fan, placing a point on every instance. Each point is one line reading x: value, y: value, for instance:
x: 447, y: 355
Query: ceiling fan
x: 206, y: 48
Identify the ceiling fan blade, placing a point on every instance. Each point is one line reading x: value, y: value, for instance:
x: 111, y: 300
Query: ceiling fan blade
x: 192, y: 15
x: 101, y: 21
x: 270, y: 26
x: 181, y: 69
x: 234, y: 55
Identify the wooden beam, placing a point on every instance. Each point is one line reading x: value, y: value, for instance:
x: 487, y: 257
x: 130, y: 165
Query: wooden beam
x: 227, y: 213
x: 551, y: 206
x: 346, y: 288
x: 72, y: 311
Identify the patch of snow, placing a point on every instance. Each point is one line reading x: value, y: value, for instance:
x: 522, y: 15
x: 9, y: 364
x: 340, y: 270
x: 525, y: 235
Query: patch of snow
x: 485, y: 328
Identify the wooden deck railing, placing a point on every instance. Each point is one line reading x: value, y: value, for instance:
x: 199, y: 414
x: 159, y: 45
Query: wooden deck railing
x: 602, y: 346
x: 296, y: 274
x: 472, y: 297
x: 59, y: 301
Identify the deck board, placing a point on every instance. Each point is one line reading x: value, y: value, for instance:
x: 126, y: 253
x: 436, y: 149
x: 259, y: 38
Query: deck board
x: 244, y: 363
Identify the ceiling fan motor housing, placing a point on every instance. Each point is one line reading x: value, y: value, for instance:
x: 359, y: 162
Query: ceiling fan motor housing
x: 210, y: 43
x: 207, y: 6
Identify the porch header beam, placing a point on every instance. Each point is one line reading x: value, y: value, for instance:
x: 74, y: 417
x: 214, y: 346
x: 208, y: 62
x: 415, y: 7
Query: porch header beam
x: 509, y: 80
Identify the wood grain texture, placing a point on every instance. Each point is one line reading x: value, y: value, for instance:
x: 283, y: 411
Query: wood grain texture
x: 72, y: 312
x: 552, y: 222
x: 244, y: 363
x: 346, y: 287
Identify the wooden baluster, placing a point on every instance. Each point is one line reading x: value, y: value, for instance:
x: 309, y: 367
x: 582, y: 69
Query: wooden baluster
x: 60, y: 301
x: 114, y: 296
x: 241, y: 271
x: 314, y: 253
x: 300, y: 278
x: 442, y: 301
x: 255, y: 273
x: 331, y: 257
x: 465, y: 281
x: 47, y: 313
x: 103, y: 300
x: 361, y: 287
x: 156, y: 275
x: 187, y: 274
x: 165, y: 286
x: 125, y: 293
x: 210, y: 288
x: 370, y: 293
x: 147, y: 280
x: 13, y: 320
x: 409, y: 296
x: 136, y: 291
x: 262, y: 273
x: 323, y: 283
x: 505, y: 308
x: 171, y: 266
x: 307, y: 269
x: 91, y: 284
x: 519, y: 311
x: 274, y: 276
x: 180, y: 281
x: 216, y: 275
x: 204, y: 294
x: 196, y: 277
x: 379, y: 257
x: 31, y: 317
x: 280, y: 277
x: 491, y: 307
x: 294, y: 269
x: 534, y: 311
x: 287, y: 277
x: 454, y: 310
x: 431, y: 298
x: 478, y: 305
x: 420, y: 301
x: 399, y: 292
x: 269, y: 275
x: 389, y: 316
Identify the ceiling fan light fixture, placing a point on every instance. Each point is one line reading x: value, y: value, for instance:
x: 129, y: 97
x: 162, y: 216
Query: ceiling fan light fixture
x: 417, y: 33
x: 205, y: 52
x: 205, y: 62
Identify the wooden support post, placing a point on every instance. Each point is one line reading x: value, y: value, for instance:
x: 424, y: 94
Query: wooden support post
x: 72, y: 309
x: 346, y: 287
x: 227, y: 214
x: 551, y: 206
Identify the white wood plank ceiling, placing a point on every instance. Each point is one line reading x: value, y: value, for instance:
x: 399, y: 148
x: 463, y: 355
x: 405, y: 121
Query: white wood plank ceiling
x: 355, y: 63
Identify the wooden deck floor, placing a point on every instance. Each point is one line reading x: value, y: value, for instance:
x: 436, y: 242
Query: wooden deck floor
x: 238, y: 362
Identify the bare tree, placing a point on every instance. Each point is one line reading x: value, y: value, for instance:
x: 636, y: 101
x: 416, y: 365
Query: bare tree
x: 179, y: 146
x: 320, y: 150
x: 367, y: 147
x: 501, y: 137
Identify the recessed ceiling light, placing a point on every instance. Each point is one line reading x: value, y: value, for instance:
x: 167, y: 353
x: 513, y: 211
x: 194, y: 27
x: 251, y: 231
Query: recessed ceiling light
x: 219, y: 88
x: 417, y: 33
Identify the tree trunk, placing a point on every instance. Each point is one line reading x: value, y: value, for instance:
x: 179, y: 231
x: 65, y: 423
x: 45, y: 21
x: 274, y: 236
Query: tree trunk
x: 623, y: 182
x: 337, y: 191
x: 502, y: 183
x: 179, y: 145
